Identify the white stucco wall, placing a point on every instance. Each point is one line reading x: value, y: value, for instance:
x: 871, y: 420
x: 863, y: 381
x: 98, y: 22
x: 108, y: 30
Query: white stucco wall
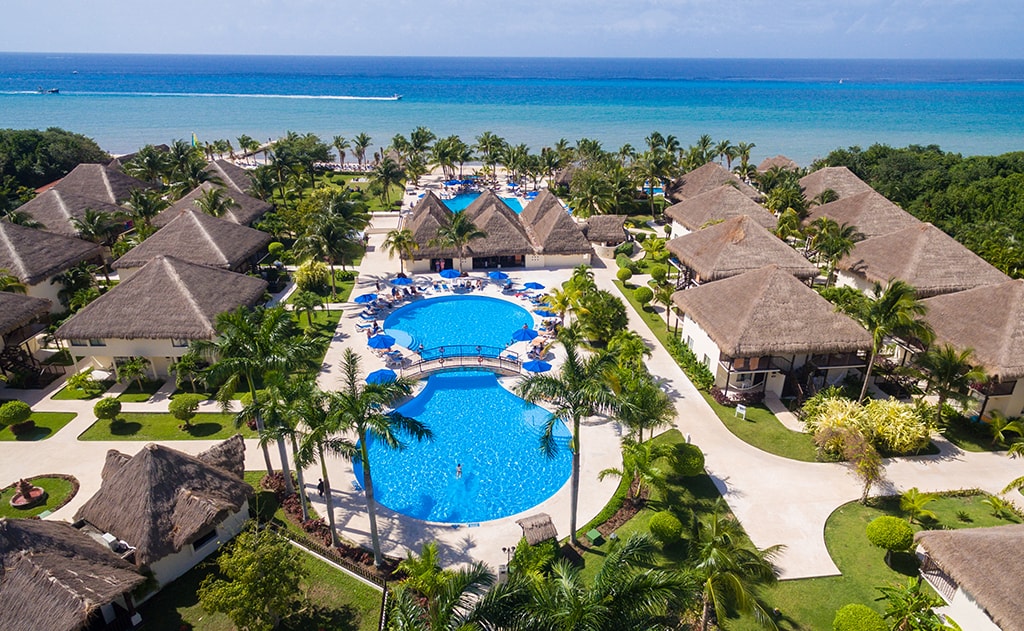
x: 160, y: 352
x: 47, y: 291
x: 845, y: 278
x: 559, y: 260
x: 968, y: 613
x: 702, y: 346
x: 172, y: 566
x: 678, y: 229
x: 1009, y: 405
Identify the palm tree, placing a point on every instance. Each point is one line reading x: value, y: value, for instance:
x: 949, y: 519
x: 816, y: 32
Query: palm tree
x: 580, y: 389
x: 145, y: 205
x: 187, y: 367
x: 386, y: 175
x: 729, y: 570
x: 321, y: 422
x: 10, y: 283
x: 913, y: 503
x: 215, y: 202
x: 333, y: 231
x: 638, y: 465
x: 365, y: 410
x: 892, y: 310
x: 1000, y: 426
x: 948, y: 374
x: 400, y: 242
x: 306, y: 302
x: 457, y: 234
x: 833, y: 241
x: 631, y: 350
x: 340, y: 144
x: 250, y: 343
x: 359, y: 146
x: 149, y: 165
x: 645, y: 405
x: 489, y: 147
x: 99, y: 227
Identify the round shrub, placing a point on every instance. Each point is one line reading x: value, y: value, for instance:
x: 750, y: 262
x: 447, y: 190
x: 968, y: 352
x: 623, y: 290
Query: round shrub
x: 666, y: 527
x: 640, y: 237
x: 890, y: 533
x: 667, y: 229
x: 107, y: 409
x: 275, y: 249
x: 659, y: 272
x: 858, y: 617
x: 688, y: 459
x: 14, y: 412
x: 184, y: 406
x: 643, y: 295
x: 624, y: 274
x: 311, y: 276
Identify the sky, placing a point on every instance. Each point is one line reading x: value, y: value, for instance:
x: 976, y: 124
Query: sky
x: 945, y: 29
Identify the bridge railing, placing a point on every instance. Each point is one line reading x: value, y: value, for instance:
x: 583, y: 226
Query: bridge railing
x: 504, y: 362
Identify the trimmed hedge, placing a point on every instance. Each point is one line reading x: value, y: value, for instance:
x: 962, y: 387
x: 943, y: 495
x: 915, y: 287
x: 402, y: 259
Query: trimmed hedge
x: 665, y: 527
x: 14, y: 412
x: 644, y: 295
x: 695, y: 370
x: 688, y: 459
x: 624, y: 274
x: 858, y: 617
x: 890, y: 533
x: 107, y: 408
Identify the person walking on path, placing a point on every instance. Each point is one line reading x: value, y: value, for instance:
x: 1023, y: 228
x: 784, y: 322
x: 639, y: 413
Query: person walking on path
x: 320, y: 487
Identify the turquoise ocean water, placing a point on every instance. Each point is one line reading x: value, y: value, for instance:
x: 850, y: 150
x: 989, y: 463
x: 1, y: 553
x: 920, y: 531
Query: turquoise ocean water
x: 801, y: 108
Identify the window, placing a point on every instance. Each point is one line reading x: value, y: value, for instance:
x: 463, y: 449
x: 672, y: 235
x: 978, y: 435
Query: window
x: 179, y: 343
x: 205, y: 539
x: 707, y: 362
x: 689, y: 342
x: 79, y: 343
x: 96, y: 342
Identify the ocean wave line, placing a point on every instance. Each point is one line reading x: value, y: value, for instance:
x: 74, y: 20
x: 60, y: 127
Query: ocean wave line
x: 329, y: 97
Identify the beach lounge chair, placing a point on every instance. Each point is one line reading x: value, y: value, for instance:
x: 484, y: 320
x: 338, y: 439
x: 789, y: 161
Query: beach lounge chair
x: 362, y: 326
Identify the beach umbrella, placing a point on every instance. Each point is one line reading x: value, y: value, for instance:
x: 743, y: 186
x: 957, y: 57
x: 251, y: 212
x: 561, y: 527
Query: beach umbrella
x: 497, y: 275
x: 545, y: 313
x: 538, y: 342
x: 536, y: 365
x: 450, y: 273
x: 524, y: 335
x: 453, y: 182
x: 401, y: 281
x: 381, y: 341
x: 384, y: 375
x: 533, y: 285
x: 365, y: 298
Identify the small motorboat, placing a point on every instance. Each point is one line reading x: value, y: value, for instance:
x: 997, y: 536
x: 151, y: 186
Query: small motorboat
x: 42, y: 90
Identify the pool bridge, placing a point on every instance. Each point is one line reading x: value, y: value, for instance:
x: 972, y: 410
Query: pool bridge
x: 442, y: 358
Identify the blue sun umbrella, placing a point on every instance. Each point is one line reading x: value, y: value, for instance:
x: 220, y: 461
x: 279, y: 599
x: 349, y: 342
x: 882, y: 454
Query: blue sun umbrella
x: 524, y: 335
x: 453, y: 182
x: 381, y: 341
x: 384, y: 375
x: 536, y: 365
x: 497, y: 275
x: 450, y: 273
x: 545, y: 313
x: 401, y: 281
x: 365, y: 298
x: 532, y: 285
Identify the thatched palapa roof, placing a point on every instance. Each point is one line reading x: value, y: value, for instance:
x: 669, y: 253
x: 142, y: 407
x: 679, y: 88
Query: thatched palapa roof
x: 167, y: 299
x: 161, y: 499
x: 770, y: 312
x: 34, y: 255
x: 537, y: 528
x: 989, y: 320
x: 54, y: 577
x: 870, y: 212
x: 553, y: 230
x: 196, y: 237
x: 506, y: 234
x: 233, y: 176
x: 100, y: 182
x: 17, y: 310
x: 429, y: 214
x: 248, y: 210
x: 55, y: 209
x: 779, y: 161
x: 839, y: 179
x: 706, y: 178
x: 984, y: 563
x: 923, y: 256
x: 734, y: 247
x: 722, y: 202
x: 563, y: 177
x: 606, y: 229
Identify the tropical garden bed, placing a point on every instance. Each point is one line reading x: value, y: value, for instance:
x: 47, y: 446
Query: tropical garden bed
x: 70, y: 393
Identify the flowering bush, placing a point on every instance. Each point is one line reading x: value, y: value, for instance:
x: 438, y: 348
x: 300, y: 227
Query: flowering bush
x: 896, y: 428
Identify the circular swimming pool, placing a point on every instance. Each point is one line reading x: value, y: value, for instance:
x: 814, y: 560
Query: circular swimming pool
x: 495, y: 437
x: 455, y: 320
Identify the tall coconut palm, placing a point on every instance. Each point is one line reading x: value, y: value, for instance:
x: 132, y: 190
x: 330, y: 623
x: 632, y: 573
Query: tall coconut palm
x: 580, y: 389
x: 145, y: 205
x: 215, y: 202
x: 645, y: 405
x: 457, y: 234
x: 365, y: 410
x: 102, y: 228
x: 729, y: 569
x: 638, y: 466
x: 341, y: 145
x: 489, y: 147
x: 833, y: 241
x: 948, y: 373
x: 386, y: 175
x: 321, y: 436
x: 359, y: 146
x: 893, y: 310
x: 149, y: 165
x: 402, y: 243
x: 249, y: 343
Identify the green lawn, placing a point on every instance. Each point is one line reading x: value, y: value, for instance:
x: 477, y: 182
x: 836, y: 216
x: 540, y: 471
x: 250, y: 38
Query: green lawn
x: 68, y: 393
x: 154, y: 426
x: 134, y: 394
x: 47, y: 424
x: 763, y: 430
x: 969, y: 437
x: 58, y: 491
x: 339, y: 601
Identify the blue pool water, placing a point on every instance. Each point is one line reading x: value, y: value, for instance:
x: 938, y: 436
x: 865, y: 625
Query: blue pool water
x: 491, y: 432
x: 454, y: 320
x: 462, y: 201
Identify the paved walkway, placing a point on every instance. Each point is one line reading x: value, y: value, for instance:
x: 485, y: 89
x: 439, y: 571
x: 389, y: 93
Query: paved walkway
x: 779, y: 501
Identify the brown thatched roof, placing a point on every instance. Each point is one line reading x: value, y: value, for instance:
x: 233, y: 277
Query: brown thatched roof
x: 99, y: 182
x: 196, y: 237
x: 870, y: 212
x: 428, y: 215
x: 234, y: 177
x: 537, y: 528
x: 563, y: 177
x: 35, y: 255
x: 734, y: 247
x: 17, y: 310
x: 54, y: 577
x: 722, y: 202
x: 607, y: 229
x: 923, y: 256
x: 228, y: 455
x: 161, y: 499
x: 706, y: 178
x: 166, y: 299
x: 770, y: 312
x: 988, y: 319
x: 839, y: 179
x: 553, y: 230
x: 506, y: 235
x: 779, y: 161
x: 248, y: 210
x: 985, y: 563
x: 55, y: 209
